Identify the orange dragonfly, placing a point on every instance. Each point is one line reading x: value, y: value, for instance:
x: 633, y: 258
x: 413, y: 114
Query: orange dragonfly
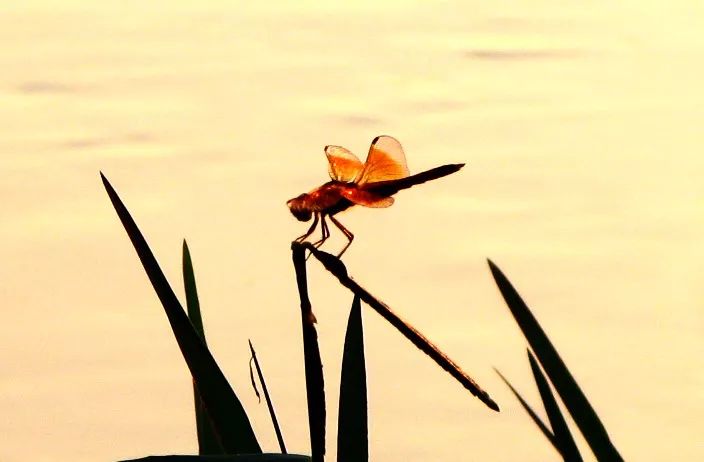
x: 370, y: 184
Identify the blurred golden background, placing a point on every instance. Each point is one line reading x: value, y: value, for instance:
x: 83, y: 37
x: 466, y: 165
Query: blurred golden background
x: 581, y: 126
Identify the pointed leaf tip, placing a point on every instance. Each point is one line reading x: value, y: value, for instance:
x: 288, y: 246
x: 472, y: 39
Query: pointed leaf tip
x: 566, y: 386
x: 338, y: 269
x: 492, y: 405
x: 225, y: 410
x: 352, y: 433
x: 529, y: 410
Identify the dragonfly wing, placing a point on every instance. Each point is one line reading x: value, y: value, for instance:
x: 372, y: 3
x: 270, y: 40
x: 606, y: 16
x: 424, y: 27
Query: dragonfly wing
x: 366, y: 198
x: 385, y: 161
x: 342, y: 164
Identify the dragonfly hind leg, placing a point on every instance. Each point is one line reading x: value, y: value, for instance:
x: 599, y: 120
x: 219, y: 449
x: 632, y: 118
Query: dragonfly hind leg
x: 346, y: 232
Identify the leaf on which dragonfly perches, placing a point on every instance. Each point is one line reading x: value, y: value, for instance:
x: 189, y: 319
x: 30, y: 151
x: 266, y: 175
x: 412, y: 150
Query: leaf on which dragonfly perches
x: 337, y: 268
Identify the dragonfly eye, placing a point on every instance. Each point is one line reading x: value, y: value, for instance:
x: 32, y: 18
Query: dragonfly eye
x: 302, y: 215
x: 298, y: 210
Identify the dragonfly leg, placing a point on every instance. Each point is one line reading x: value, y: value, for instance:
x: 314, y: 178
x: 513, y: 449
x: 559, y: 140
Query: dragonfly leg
x: 325, y: 232
x: 346, y: 232
x: 303, y: 237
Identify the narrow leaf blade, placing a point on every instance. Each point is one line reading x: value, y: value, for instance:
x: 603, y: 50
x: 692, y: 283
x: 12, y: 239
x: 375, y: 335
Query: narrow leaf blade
x: 189, y: 284
x: 352, y: 427
x: 208, y: 442
x: 335, y: 266
x: 576, y: 402
x: 269, y: 404
x: 227, y: 414
x: 563, y: 437
x: 531, y: 413
x: 315, y: 387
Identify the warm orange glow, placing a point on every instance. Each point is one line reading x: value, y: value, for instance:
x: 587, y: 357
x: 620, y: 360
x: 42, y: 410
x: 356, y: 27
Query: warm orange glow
x: 581, y: 127
x: 371, y: 184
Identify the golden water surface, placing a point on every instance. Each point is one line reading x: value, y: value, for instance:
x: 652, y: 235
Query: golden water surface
x: 581, y: 126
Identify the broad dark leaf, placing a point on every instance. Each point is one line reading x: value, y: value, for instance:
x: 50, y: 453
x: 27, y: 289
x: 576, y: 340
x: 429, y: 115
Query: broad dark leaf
x: 228, y: 416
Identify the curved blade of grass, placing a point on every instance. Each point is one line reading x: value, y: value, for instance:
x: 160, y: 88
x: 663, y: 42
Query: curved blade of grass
x: 208, y: 442
x: 563, y: 437
x: 576, y: 402
x: 269, y: 404
x: 226, y: 412
x: 533, y: 415
x: 315, y: 387
x: 230, y: 458
x: 335, y: 266
x: 352, y: 431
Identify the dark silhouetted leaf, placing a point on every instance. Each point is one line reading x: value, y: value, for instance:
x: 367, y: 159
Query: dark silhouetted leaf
x: 228, y: 417
x: 533, y: 415
x: 573, y: 397
x: 352, y: 431
x: 208, y: 442
x: 269, y: 404
x: 315, y: 387
x: 563, y: 437
x: 335, y: 266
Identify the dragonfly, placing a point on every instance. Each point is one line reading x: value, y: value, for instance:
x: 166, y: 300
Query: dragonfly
x: 369, y: 184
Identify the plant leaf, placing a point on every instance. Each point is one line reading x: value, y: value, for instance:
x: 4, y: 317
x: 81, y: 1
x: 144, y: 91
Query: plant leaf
x: 563, y: 437
x: 228, y: 416
x: 352, y: 431
x: 208, y: 442
x: 577, y: 404
x: 315, y: 387
x: 533, y: 415
x: 269, y: 404
x: 335, y: 266
x: 189, y: 284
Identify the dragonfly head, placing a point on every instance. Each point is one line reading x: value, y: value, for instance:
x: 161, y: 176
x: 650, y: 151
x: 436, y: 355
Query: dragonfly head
x: 298, y: 208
